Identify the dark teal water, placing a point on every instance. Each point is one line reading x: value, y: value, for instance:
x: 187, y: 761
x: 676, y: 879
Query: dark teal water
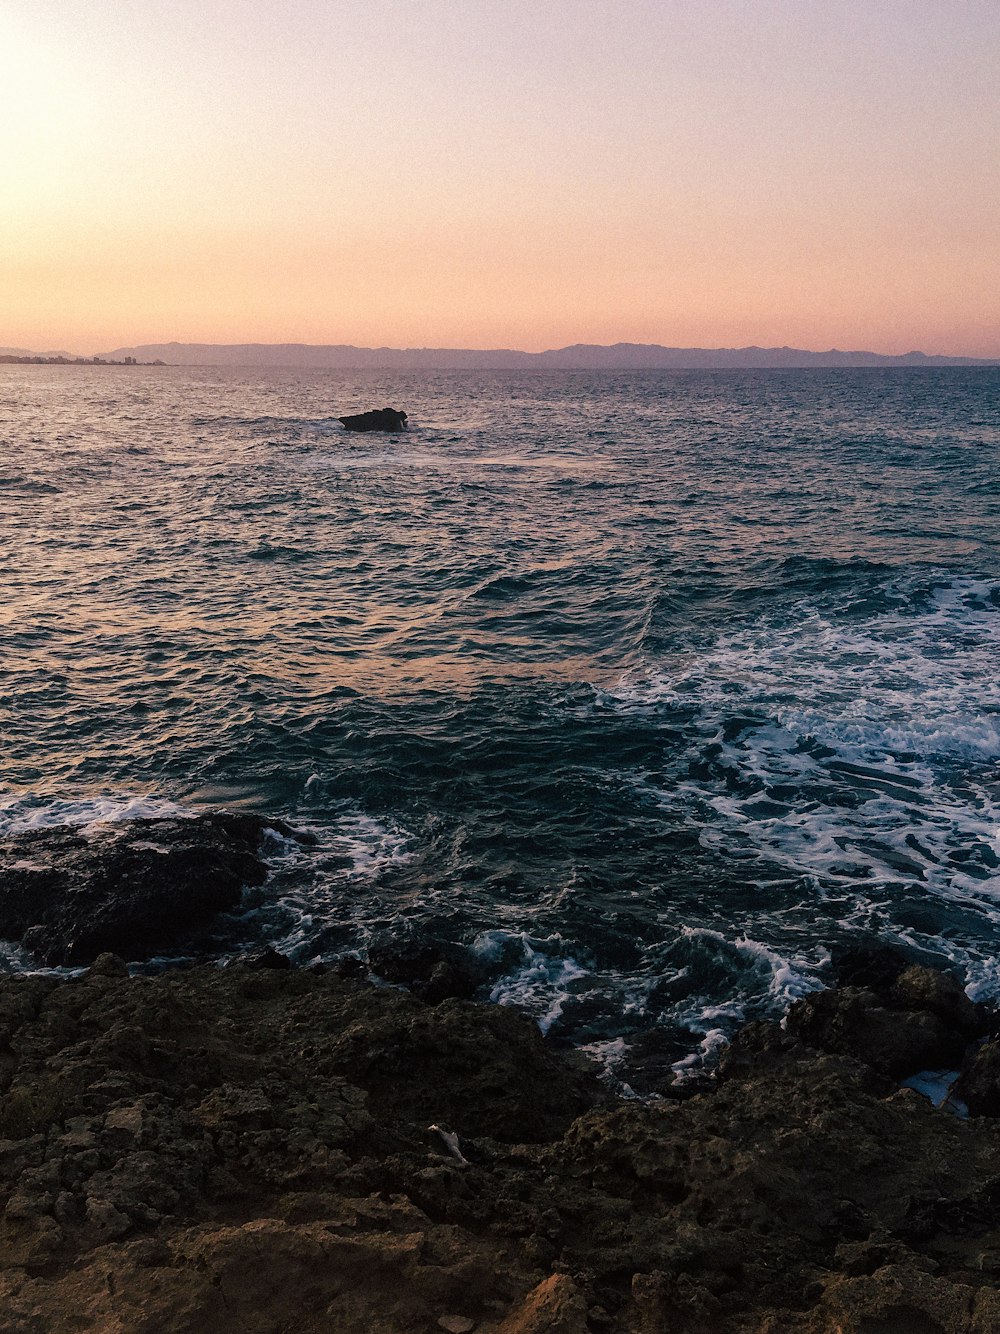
x: 650, y: 686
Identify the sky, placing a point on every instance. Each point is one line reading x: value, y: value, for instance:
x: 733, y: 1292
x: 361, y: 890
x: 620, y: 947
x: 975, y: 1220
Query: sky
x: 501, y: 173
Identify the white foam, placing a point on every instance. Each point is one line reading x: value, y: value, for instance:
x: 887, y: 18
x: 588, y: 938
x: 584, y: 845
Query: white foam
x: 372, y: 845
x: 609, y: 1055
x: 334, y: 881
x: 704, y: 1055
x: 18, y: 814
x: 858, y: 756
x: 540, y: 981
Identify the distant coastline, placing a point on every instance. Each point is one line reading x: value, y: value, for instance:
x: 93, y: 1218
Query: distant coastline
x: 579, y: 356
x: 34, y: 359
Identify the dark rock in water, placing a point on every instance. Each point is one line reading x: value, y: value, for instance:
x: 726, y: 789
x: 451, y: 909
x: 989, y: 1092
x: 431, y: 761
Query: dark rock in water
x: 432, y: 969
x: 70, y: 894
x: 895, y: 1016
x: 108, y: 965
x: 378, y: 419
x: 755, y: 1051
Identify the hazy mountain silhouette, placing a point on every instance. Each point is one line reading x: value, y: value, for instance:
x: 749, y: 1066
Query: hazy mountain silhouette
x: 26, y: 352
x: 580, y: 356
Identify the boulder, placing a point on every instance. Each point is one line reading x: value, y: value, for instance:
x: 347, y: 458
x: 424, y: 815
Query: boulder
x: 266, y: 957
x: 868, y: 964
x: 378, y: 419
x: 921, y: 988
x: 71, y: 894
x: 852, y: 1021
x: 978, y: 1085
x: 432, y: 969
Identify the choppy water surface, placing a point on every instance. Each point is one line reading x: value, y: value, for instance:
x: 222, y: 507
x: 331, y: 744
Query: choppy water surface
x: 651, y: 686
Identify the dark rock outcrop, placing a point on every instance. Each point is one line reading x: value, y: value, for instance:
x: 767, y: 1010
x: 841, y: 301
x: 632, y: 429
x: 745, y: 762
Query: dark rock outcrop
x: 378, y: 419
x: 260, y: 1149
x: 430, y: 968
x: 978, y: 1084
x: 136, y: 888
x: 908, y: 1018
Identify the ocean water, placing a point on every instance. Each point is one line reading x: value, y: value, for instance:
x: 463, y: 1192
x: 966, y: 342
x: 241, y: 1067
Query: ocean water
x: 649, y: 687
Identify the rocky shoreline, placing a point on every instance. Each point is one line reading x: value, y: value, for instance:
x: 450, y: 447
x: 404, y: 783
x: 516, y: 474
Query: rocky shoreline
x: 260, y: 1148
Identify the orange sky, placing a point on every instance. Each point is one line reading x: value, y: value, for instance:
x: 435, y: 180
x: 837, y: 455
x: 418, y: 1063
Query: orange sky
x: 521, y: 173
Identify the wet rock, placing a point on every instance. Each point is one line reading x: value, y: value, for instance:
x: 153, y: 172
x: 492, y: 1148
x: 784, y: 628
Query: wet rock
x: 648, y: 1064
x: 108, y: 965
x: 378, y: 419
x: 432, y: 969
x: 871, y: 965
x: 756, y: 1050
x: 852, y: 1021
x: 978, y: 1084
x: 72, y: 894
x: 262, y: 958
x: 919, y: 988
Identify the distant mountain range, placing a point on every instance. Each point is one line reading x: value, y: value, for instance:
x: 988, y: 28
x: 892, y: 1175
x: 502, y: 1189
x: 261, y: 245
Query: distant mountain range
x: 580, y: 356
x: 26, y: 352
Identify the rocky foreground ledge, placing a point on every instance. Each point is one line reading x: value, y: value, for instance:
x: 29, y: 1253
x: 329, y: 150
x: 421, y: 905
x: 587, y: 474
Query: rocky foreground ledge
x: 266, y: 1149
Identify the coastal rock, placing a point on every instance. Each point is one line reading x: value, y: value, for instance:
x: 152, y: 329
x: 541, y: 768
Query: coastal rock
x: 870, y: 964
x: 922, y: 988
x: 479, y: 1070
x: 378, y: 419
x: 70, y: 894
x: 556, y: 1306
x: 978, y: 1084
x: 432, y: 969
x: 247, y: 1150
x: 852, y: 1021
x: 266, y: 957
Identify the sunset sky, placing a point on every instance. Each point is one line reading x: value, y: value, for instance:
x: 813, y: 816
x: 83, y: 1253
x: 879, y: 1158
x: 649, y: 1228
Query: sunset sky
x: 501, y: 173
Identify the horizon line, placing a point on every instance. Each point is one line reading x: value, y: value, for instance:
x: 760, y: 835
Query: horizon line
x: 601, y: 351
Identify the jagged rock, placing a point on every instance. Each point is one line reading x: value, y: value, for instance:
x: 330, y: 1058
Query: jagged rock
x: 502, y: 1079
x: 262, y: 958
x: 852, y: 1021
x: 378, y: 419
x: 871, y: 965
x: 757, y: 1048
x: 108, y: 965
x: 978, y: 1084
x: 921, y: 988
x: 432, y: 969
x: 556, y: 1306
x: 248, y: 1150
x: 72, y: 894
x: 896, y: 1297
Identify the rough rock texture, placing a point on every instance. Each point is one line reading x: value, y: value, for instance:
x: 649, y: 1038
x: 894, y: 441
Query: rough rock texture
x: 135, y: 888
x: 430, y: 968
x: 920, y: 1019
x: 979, y: 1083
x: 378, y: 419
x: 258, y: 1149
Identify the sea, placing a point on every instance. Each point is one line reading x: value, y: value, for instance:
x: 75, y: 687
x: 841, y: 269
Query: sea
x: 650, y: 688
